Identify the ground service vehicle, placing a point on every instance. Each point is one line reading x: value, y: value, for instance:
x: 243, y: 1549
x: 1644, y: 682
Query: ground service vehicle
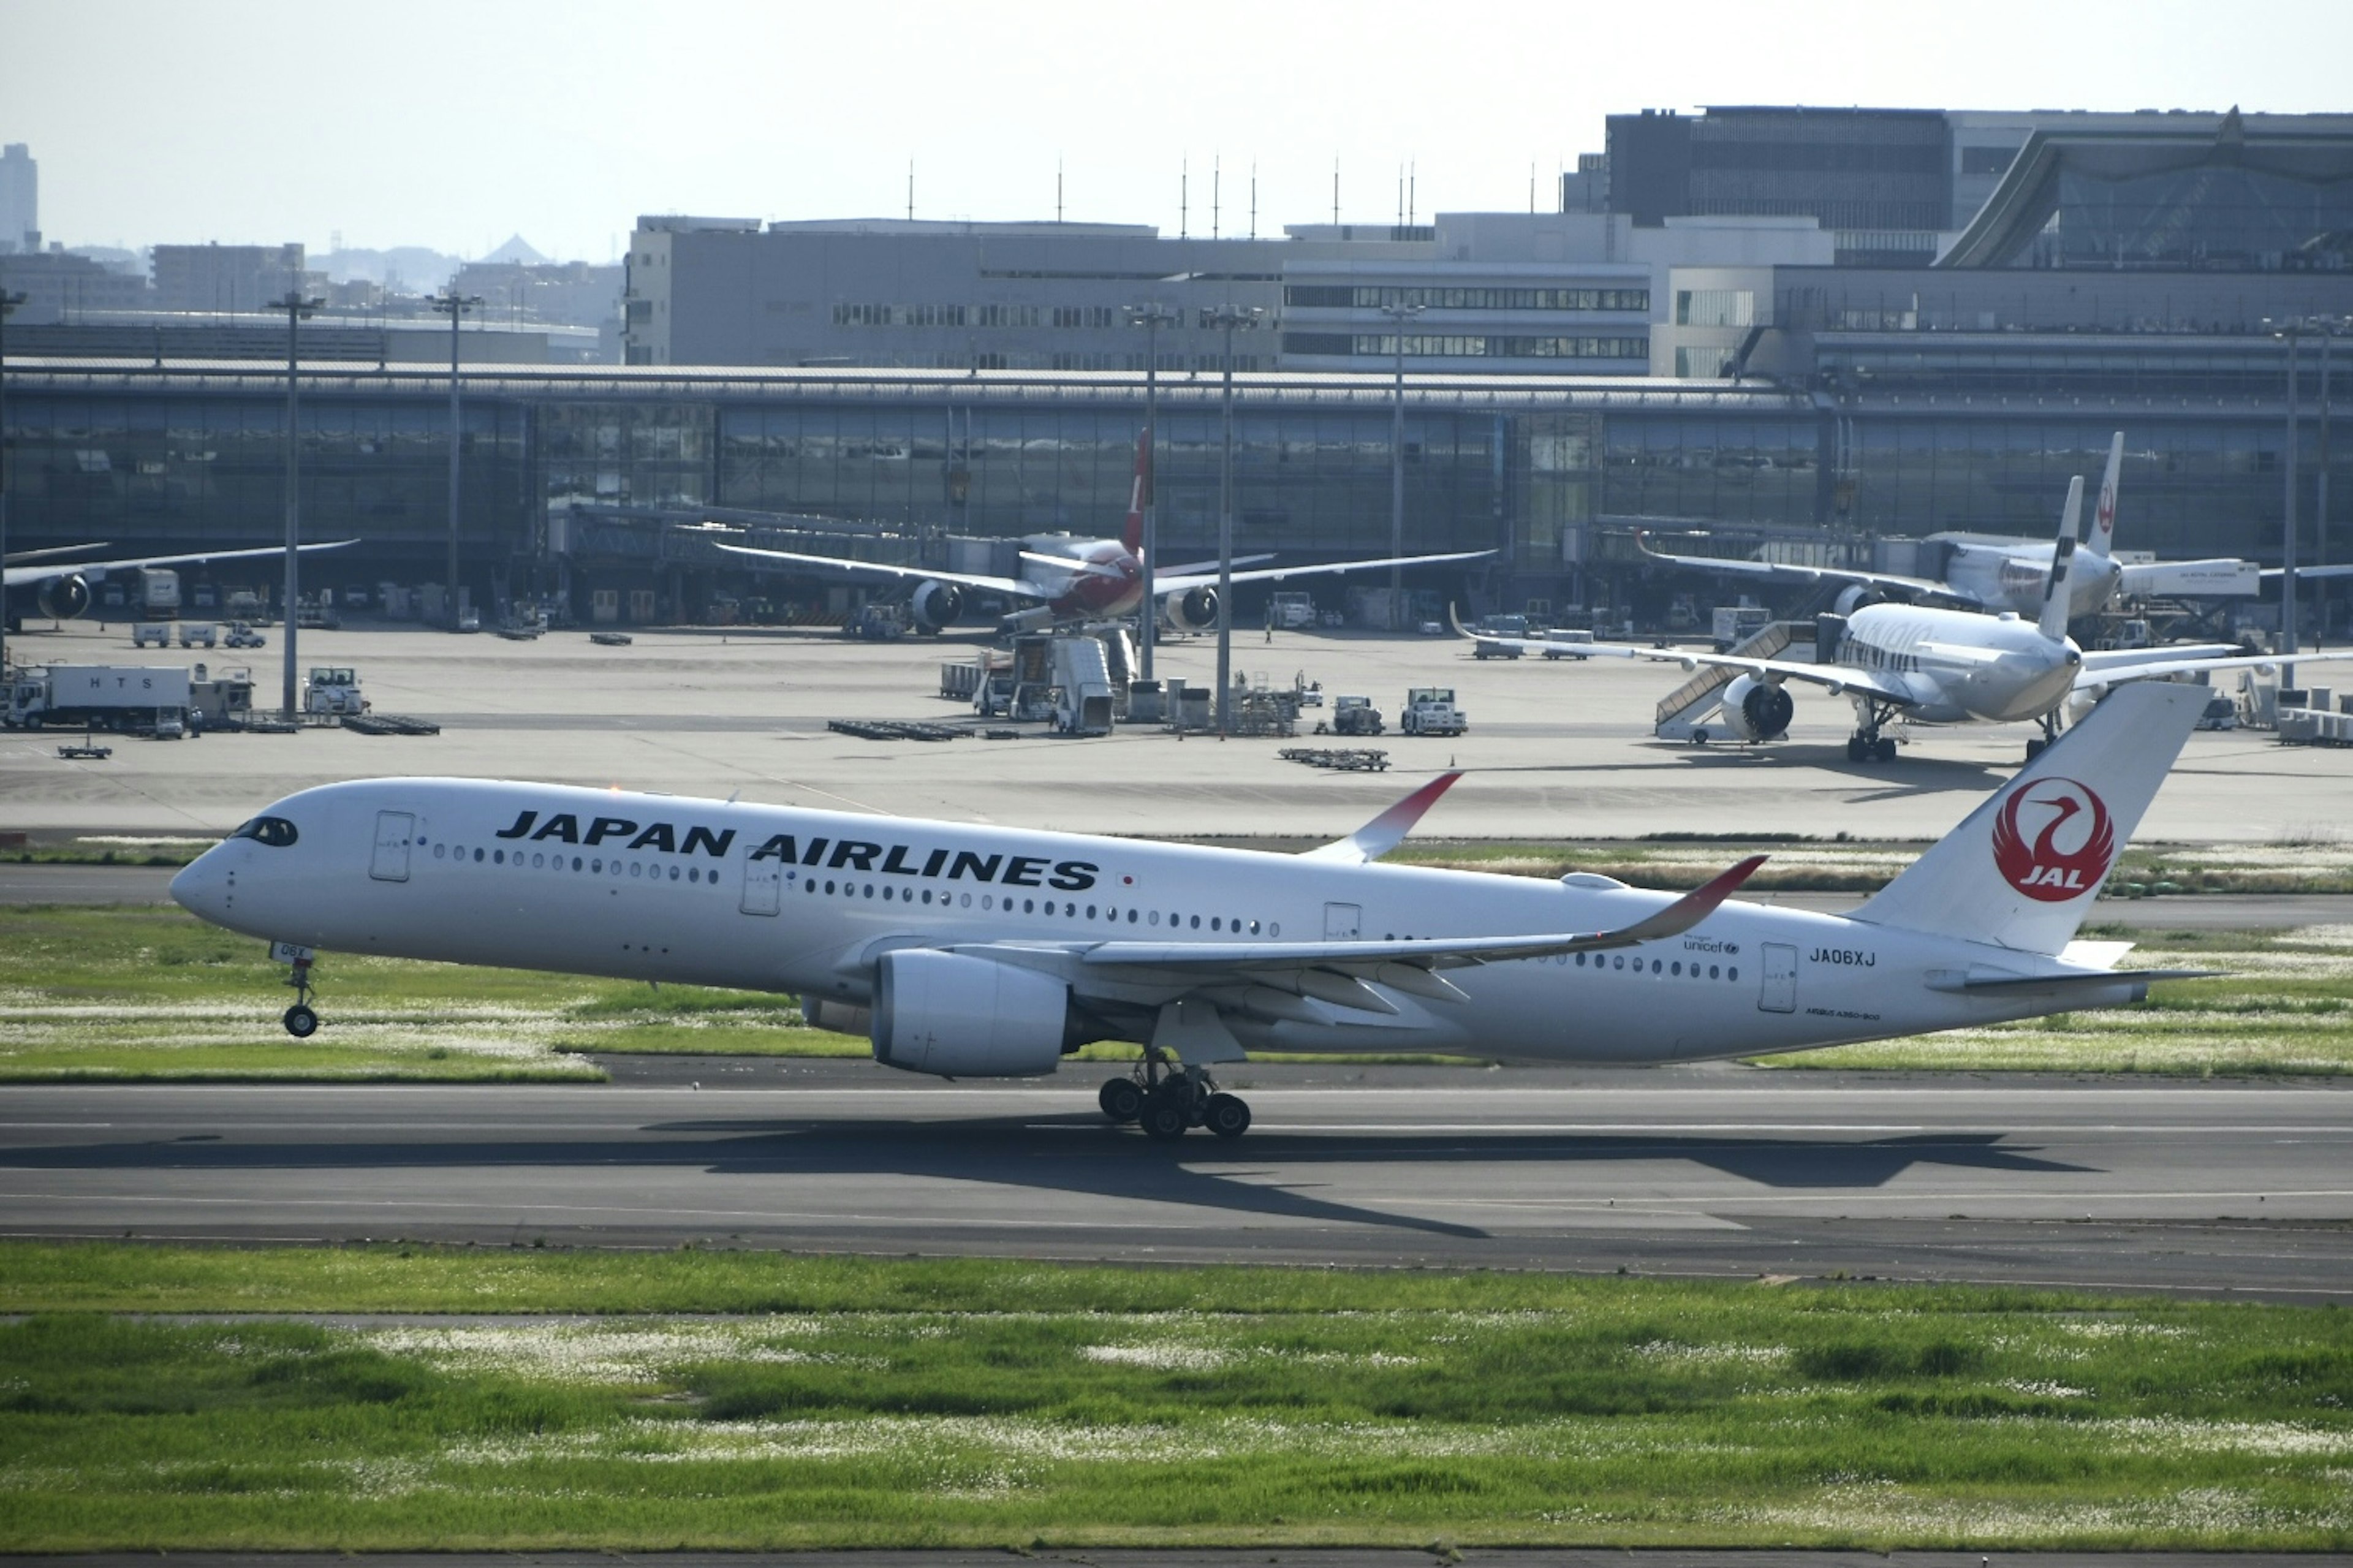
x: 1354, y: 716
x: 332, y: 693
x: 1431, y: 710
x: 1081, y: 694
x: 139, y: 699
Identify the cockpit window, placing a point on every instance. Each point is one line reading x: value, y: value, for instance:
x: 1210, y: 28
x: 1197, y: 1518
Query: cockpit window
x: 274, y: 831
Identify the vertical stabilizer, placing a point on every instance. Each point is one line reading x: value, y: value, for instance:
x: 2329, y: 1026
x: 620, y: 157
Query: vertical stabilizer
x: 2101, y: 542
x: 2055, y: 597
x: 2022, y: 870
x: 1139, y: 495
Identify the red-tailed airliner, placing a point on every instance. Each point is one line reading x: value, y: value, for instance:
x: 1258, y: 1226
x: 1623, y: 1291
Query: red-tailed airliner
x: 977, y: 951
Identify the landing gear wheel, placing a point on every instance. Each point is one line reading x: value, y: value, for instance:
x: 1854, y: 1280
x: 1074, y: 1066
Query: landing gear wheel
x: 1882, y: 750
x: 1121, y: 1100
x: 300, y: 1021
x: 1164, y: 1119
x: 2034, y: 748
x: 1854, y: 744
x: 1227, y: 1115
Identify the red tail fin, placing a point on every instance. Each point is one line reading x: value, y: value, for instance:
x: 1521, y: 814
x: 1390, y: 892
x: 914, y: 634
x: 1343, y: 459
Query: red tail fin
x: 1140, y: 497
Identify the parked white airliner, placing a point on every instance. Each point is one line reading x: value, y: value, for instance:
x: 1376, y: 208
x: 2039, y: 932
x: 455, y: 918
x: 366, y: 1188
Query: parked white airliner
x: 61, y: 589
x: 1929, y: 666
x: 1988, y: 572
x: 980, y: 951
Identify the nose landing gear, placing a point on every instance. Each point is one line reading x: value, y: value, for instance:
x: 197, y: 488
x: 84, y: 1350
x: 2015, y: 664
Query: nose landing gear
x: 302, y: 1020
x: 1167, y: 1099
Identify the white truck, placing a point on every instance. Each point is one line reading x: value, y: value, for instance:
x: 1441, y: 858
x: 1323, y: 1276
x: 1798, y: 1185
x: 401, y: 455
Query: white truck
x: 332, y: 691
x: 1291, y: 612
x: 136, y: 699
x: 159, y: 593
x: 1431, y: 710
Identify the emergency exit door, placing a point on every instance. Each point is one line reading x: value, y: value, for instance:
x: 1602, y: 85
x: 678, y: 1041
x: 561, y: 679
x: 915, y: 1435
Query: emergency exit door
x: 763, y: 885
x: 1779, y: 992
x: 1341, y: 922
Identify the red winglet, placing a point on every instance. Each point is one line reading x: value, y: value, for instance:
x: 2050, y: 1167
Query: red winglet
x: 1694, y: 906
x: 1386, y: 831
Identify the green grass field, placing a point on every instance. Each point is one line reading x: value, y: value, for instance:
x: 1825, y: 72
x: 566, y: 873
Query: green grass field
x: 748, y: 1400
x: 150, y: 992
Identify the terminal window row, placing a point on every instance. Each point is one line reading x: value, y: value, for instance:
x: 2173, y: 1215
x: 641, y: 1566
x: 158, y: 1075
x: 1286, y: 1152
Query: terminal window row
x: 1457, y: 345
x: 1373, y: 297
x: 1066, y: 316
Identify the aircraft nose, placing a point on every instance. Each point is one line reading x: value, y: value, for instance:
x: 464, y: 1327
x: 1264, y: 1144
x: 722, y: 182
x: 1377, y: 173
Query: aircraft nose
x: 202, y: 886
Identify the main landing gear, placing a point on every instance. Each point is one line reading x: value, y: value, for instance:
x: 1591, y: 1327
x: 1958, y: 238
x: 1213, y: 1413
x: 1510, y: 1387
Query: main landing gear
x: 300, y: 1020
x: 2035, y: 748
x: 1867, y: 744
x: 1165, y: 1099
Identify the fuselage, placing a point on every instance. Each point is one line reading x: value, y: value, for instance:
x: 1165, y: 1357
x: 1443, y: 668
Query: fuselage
x: 2012, y: 573
x: 765, y: 897
x: 1960, y: 667
x: 1103, y: 580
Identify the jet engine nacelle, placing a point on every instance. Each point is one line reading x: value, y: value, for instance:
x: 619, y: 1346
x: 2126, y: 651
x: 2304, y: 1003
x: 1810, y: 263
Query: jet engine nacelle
x: 1195, y: 610
x: 969, y: 1017
x: 1856, y: 597
x: 1758, y: 709
x: 63, y: 598
x: 936, y: 605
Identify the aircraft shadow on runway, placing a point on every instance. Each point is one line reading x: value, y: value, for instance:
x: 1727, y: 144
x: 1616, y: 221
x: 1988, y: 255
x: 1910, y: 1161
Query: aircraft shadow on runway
x: 1078, y: 1154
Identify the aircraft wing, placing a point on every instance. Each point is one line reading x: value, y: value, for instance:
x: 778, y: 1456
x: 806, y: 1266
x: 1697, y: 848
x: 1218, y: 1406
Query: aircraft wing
x: 1927, y: 589
x: 1164, y: 584
x: 2303, y: 574
x: 1838, y: 678
x: 2163, y: 664
x: 1011, y: 587
x: 19, y: 576
x: 1193, y: 568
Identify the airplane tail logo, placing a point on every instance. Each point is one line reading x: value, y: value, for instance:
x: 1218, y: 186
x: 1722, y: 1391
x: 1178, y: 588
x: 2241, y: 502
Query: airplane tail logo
x: 2072, y: 844
x: 1139, y: 495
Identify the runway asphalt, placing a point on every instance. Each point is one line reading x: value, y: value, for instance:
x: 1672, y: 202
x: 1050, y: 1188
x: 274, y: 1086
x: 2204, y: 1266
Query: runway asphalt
x: 1711, y: 1171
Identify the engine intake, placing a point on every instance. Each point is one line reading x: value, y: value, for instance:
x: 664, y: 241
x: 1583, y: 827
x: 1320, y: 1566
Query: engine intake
x: 1859, y: 596
x: 1758, y: 709
x: 63, y: 598
x: 969, y: 1017
x: 936, y: 605
x: 1195, y: 610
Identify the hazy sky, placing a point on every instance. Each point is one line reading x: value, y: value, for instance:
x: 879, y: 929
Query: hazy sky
x: 454, y: 125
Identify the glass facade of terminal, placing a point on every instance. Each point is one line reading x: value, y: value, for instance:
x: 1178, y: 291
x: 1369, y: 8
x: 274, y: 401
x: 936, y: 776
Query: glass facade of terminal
x: 189, y: 459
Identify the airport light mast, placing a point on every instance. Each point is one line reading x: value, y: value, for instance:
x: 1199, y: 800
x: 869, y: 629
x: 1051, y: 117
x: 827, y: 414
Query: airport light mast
x: 1398, y: 314
x: 454, y: 305
x: 1151, y: 318
x: 296, y: 306
x: 8, y: 303
x: 1226, y: 317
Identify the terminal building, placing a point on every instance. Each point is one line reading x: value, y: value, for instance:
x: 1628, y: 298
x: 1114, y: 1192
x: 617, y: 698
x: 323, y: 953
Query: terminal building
x: 1769, y: 377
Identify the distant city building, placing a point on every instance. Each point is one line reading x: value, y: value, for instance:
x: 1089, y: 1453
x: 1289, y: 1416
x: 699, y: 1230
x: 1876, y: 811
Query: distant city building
x: 572, y: 293
x: 226, y: 278
x: 60, y: 287
x: 20, y: 200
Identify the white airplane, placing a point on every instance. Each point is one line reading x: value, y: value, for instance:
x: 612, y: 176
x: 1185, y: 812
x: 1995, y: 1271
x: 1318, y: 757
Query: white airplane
x: 1074, y: 579
x: 61, y: 588
x: 977, y: 951
x: 1929, y: 666
x: 1988, y: 572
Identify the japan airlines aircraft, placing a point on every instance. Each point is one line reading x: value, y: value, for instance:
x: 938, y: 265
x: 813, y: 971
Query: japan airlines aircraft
x: 978, y: 951
x: 1987, y: 572
x: 1928, y: 666
x: 1074, y: 579
x: 61, y: 588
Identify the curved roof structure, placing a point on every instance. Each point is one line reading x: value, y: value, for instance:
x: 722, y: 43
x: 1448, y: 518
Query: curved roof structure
x: 2198, y: 190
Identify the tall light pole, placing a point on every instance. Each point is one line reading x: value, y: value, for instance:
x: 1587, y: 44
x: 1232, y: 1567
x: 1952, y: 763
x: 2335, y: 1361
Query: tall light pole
x: 1226, y: 317
x: 1151, y: 318
x: 8, y: 303
x: 296, y: 308
x: 454, y: 305
x: 1399, y: 315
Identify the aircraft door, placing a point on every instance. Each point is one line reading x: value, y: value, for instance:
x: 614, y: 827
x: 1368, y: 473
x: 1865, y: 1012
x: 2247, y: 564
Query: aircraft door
x: 763, y: 885
x: 1779, y: 993
x: 1341, y: 921
x: 394, y: 829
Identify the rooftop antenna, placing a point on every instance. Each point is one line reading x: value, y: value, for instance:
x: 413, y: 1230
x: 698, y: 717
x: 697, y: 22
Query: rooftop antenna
x: 1217, y: 188
x: 1335, y: 190
x: 1183, y: 192
x: 1057, y: 190
x: 1532, y: 187
x: 911, y: 190
x: 1253, y: 229
x: 1401, y: 210
x: 1412, y: 173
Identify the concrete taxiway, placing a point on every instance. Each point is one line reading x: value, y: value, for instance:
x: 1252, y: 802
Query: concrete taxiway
x: 1555, y: 749
x: 1718, y: 1170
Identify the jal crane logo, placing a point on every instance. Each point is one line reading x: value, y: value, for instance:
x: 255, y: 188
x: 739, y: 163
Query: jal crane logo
x: 2072, y: 844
